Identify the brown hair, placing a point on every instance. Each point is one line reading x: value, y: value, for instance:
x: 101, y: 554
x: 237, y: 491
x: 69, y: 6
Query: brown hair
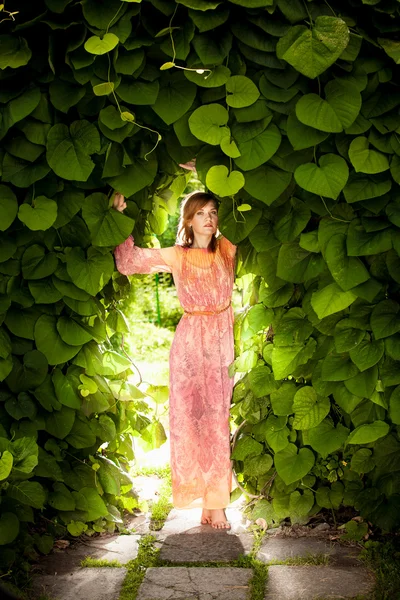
x: 190, y: 205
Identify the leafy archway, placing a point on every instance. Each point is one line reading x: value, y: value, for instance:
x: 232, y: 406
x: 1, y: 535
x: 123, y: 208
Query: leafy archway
x: 291, y: 111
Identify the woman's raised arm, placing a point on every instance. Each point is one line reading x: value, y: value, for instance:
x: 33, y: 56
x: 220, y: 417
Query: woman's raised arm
x: 130, y: 259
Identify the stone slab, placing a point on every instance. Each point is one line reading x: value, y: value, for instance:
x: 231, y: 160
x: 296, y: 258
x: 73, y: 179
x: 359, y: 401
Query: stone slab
x: 310, y: 583
x: 216, y: 546
x: 115, y: 547
x: 280, y: 549
x: 82, y: 584
x: 188, y: 520
x: 202, y: 583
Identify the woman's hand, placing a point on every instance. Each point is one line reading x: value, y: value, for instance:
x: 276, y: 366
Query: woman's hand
x: 119, y: 202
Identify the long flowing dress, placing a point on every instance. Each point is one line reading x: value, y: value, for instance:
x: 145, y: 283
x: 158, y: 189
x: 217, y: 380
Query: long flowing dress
x: 201, y: 352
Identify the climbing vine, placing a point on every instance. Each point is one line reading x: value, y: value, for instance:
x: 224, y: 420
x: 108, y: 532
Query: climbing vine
x: 291, y: 111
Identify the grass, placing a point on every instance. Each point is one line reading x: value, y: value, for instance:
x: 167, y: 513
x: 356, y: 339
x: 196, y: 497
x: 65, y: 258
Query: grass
x: 305, y: 561
x: 383, y: 557
x: 93, y: 563
x: 160, y: 510
x: 136, y: 569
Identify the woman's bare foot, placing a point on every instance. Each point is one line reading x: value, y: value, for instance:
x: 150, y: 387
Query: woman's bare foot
x: 219, y: 520
x: 206, y: 517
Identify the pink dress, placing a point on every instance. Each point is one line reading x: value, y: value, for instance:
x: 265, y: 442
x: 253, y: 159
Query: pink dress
x: 201, y: 352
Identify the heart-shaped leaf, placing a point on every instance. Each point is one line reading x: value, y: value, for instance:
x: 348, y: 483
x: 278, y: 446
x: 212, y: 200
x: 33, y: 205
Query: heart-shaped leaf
x: 107, y: 226
x: 68, y: 151
x: 331, y: 299
x: 91, y: 272
x: 103, y: 89
x: 241, y: 91
x: 312, y: 51
x: 208, y: 123
x: 8, y: 207
x: 223, y: 183
x: 292, y: 465
x: 326, y: 180
x: 338, y: 111
x: 365, y: 160
x: 40, y: 216
x: 101, y: 45
x: 234, y: 224
x: 309, y: 409
x: 49, y: 342
x: 260, y: 149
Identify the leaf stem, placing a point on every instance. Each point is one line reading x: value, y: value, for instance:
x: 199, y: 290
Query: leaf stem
x: 170, y: 34
x: 114, y: 17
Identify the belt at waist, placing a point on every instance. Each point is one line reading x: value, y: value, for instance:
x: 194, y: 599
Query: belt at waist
x: 205, y: 312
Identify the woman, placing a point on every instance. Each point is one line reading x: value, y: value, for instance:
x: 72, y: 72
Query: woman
x: 200, y: 387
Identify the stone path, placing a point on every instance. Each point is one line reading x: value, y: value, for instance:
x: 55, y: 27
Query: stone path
x: 334, y: 572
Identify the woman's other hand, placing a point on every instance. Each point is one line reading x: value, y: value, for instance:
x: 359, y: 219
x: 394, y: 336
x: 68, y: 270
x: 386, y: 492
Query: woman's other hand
x: 119, y: 202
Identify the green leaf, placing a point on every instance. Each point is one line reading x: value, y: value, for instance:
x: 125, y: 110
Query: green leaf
x: 365, y: 160
x: 30, y: 374
x: 218, y: 77
x: 174, y: 99
x: 303, y: 136
x: 14, y: 52
x: 241, y: 91
x: 309, y: 410
x: 267, y: 183
x: 347, y: 271
x: 139, y: 92
x: 325, y: 438
x: 391, y: 47
x: 246, y: 446
x: 367, y: 354
x: 105, y: 428
x: 107, y: 226
x: 259, y: 149
x: 136, y: 176
x: 361, y: 242
x: 63, y: 95
x: 97, y: 508
x: 69, y: 150
x: 21, y: 407
x: 330, y: 497
x: 9, y: 522
x: 362, y: 461
x: 8, y: 207
x: 37, y: 264
x: 327, y: 180
x: 61, y: 498
x: 262, y: 382
x: 101, y: 45
x: 285, y: 359
x: 365, y: 434
x: 6, y: 464
x: 91, y: 272
x: 49, y: 342
x: 76, y: 528
x: 103, y: 89
x: 44, y: 291
x: 27, y: 492
x: 331, y: 299
x: 81, y: 435
x: 312, y: 51
x: 65, y: 389
x: 282, y: 399
x: 292, y: 465
x: 296, y: 264
x: 338, y: 367
x: 60, y: 422
x: 258, y: 465
x: 337, y: 112
x: 363, y: 384
x: 385, y: 320
x: 223, y: 183
x: 234, y: 224
x: 40, y: 216
x: 276, y: 433
x: 360, y: 188
x: 208, y: 123
x: 394, y: 406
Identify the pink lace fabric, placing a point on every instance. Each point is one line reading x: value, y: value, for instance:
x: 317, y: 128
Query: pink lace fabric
x: 201, y: 352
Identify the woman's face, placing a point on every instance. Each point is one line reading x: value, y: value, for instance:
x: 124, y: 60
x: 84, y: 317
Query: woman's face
x: 205, y: 220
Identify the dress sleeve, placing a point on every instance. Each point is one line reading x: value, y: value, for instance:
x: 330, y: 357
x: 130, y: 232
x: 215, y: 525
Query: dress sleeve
x: 227, y: 247
x: 130, y: 259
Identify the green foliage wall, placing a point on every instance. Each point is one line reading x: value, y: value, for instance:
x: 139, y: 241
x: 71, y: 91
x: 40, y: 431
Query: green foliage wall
x: 291, y: 110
